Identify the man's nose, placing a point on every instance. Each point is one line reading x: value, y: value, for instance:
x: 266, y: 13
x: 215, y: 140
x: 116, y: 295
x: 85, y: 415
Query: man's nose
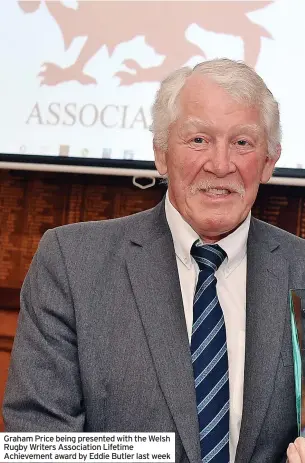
x: 219, y: 162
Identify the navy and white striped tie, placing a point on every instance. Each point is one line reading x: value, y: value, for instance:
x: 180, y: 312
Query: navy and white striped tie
x: 210, y: 357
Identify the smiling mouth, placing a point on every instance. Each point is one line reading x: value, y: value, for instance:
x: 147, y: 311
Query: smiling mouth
x: 216, y: 192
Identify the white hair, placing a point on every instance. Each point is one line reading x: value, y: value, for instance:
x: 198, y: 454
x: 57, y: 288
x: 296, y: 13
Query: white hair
x: 239, y: 80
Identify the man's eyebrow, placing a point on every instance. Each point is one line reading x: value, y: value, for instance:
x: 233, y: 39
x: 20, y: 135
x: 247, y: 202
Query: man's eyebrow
x: 255, y: 128
x: 195, y: 123
x: 201, y: 125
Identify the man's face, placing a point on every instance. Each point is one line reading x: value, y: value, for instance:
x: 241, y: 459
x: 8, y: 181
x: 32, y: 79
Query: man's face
x: 216, y: 159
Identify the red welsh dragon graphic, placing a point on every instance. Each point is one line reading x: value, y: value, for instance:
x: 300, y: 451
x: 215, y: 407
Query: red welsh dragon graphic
x: 162, y: 23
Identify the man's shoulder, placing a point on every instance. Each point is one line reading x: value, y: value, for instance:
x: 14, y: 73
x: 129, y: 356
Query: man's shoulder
x: 103, y: 232
x: 106, y: 225
x: 289, y: 243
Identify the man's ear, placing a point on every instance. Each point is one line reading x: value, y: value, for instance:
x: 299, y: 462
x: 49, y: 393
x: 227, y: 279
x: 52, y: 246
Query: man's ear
x: 270, y: 164
x: 160, y: 160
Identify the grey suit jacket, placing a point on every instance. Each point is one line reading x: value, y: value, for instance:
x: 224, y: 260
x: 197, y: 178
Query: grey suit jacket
x: 102, y: 343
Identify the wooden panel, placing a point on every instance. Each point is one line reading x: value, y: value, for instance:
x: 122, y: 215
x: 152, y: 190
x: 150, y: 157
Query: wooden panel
x: 9, y: 298
x: 4, y: 363
x: 8, y: 322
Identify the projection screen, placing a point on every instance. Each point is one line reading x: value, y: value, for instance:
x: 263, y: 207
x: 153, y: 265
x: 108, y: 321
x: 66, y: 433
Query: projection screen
x: 78, y: 78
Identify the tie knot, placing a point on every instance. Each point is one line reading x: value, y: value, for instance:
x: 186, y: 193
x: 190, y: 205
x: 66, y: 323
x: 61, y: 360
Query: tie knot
x: 208, y: 255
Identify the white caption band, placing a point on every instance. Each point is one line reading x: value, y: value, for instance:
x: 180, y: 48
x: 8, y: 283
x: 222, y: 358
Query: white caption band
x: 87, y: 447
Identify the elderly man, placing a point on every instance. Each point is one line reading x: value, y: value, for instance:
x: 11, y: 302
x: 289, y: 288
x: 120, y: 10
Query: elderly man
x: 177, y: 318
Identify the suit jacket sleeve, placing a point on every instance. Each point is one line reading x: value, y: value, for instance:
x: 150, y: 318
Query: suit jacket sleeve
x: 43, y: 391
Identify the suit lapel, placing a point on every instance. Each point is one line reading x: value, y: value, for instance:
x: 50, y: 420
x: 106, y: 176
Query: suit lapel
x: 267, y: 296
x: 154, y: 278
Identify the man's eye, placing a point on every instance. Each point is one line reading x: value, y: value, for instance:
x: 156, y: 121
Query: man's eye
x: 198, y: 140
x: 242, y: 142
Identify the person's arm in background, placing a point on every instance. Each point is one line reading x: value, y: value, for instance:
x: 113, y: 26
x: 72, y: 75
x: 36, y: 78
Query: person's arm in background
x: 43, y: 391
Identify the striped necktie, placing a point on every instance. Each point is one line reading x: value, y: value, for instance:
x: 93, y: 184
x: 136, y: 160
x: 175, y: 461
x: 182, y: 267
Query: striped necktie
x: 210, y: 357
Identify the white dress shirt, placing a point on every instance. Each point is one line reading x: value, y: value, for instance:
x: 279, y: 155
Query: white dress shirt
x: 231, y: 291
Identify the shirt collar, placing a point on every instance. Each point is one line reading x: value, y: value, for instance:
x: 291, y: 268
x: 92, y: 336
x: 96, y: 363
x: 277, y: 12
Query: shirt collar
x: 184, y: 236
